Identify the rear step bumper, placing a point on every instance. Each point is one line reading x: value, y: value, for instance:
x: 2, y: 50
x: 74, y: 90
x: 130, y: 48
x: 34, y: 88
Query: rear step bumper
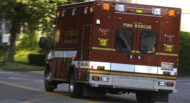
x: 134, y: 83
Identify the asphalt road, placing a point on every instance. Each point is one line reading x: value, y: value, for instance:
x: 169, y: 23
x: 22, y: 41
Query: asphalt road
x: 27, y: 87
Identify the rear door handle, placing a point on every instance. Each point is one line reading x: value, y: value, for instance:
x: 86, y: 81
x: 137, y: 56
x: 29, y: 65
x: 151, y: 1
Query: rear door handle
x: 130, y: 56
x: 140, y: 57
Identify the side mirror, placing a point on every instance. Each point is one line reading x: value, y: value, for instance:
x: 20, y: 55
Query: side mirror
x: 42, y: 42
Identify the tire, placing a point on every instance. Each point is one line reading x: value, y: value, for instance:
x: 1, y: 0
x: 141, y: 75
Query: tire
x: 145, y: 98
x: 48, y: 83
x: 75, y: 89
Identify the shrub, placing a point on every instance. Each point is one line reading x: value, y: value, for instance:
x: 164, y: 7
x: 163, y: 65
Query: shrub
x: 36, y: 59
x: 184, y: 51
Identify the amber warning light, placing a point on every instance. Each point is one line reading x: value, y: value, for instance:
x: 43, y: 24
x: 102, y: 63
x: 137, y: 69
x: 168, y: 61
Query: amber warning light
x: 58, y: 14
x: 91, y: 9
x: 171, y: 12
x: 103, y: 42
x: 168, y: 48
x: 106, y: 6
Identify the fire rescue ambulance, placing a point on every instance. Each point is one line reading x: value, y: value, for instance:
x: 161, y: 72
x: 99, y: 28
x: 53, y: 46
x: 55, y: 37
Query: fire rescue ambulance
x: 115, y: 47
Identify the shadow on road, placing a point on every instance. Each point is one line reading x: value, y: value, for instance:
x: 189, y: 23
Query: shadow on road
x: 103, y: 99
x: 111, y: 99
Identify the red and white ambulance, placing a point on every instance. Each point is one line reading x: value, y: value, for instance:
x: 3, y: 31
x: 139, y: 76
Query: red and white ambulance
x: 115, y: 47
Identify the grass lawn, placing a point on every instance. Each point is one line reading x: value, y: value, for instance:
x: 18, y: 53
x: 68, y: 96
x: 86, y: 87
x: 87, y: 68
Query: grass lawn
x: 22, y: 55
x: 21, y: 67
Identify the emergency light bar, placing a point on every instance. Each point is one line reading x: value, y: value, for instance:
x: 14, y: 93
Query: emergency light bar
x: 85, y: 10
x: 157, y: 11
x: 120, y: 8
x: 63, y: 13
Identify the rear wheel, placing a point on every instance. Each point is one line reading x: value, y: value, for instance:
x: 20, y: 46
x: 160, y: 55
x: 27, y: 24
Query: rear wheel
x: 75, y: 89
x: 48, y: 83
x: 145, y: 98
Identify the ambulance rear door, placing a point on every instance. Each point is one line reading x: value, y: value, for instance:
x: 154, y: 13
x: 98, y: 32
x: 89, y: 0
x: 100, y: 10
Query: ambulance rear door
x: 148, y: 42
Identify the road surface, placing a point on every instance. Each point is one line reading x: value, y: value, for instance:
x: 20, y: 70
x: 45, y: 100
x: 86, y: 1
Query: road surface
x: 27, y: 87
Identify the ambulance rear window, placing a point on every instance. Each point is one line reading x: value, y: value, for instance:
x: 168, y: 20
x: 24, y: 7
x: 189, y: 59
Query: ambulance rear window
x: 148, y: 42
x: 124, y: 40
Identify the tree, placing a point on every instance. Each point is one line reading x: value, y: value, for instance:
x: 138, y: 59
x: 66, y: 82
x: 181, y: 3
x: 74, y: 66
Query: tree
x: 38, y: 14
x: 12, y: 11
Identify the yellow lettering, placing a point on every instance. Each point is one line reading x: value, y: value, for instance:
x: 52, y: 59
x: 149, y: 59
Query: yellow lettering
x: 137, y: 25
x: 128, y: 25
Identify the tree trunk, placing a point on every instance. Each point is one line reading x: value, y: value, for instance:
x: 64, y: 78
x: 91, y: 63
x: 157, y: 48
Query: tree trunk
x: 15, y: 28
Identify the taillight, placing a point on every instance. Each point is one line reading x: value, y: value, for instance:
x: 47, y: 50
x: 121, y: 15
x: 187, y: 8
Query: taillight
x: 171, y: 12
x: 96, y: 78
x: 103, y: 37
x: 106, y: 6
x: 169, y: 43
x: 170, y: 84
x: 164, y: 83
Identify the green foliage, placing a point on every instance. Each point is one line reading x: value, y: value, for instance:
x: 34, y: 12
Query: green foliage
x: 31, y: 14
x: 22, y: 54
x: 12, y: 9
x: 36, y: 59
x: 184, y: 51
x: 38, y: 14
x: 27, y: 42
